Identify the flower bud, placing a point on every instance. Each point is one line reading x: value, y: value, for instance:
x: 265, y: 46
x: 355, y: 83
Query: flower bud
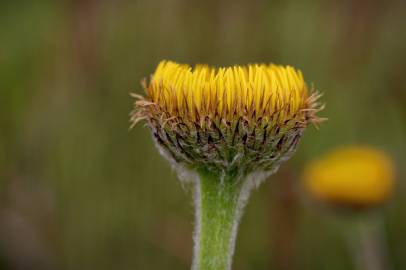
x: 240, y: 119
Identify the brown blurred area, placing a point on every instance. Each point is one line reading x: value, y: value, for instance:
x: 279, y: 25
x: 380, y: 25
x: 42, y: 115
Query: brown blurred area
x: 78, y: 190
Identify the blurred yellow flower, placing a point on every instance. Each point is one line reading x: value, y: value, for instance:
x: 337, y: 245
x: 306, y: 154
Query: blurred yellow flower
x: 354, y: 176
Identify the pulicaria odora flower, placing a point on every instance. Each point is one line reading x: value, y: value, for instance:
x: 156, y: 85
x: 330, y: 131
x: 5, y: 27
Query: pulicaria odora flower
x: 351, y: 177
x: 235, y: 119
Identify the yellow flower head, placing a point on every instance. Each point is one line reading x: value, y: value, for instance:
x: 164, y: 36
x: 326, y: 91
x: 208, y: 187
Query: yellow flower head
x: 240, y: 117
x: 356, y: 177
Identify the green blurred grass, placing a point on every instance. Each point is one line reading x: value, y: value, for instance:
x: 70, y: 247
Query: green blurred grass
x: 78, y: 190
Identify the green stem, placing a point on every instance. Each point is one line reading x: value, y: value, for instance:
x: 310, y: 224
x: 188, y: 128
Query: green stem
x: 218, y: 209
x: 367, y: 244
x: 372, y: 252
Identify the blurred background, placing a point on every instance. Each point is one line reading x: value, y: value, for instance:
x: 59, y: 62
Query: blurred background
x: 79, y: 190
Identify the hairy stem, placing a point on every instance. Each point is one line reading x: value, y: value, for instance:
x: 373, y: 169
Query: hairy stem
x: 218, y: 210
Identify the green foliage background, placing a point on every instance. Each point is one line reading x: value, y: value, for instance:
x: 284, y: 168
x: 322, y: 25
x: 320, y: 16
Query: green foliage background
x: 78, y: 190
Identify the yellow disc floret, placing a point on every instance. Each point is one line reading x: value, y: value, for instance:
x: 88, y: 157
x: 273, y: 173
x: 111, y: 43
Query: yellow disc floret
x: 253, y: 90
x: 351, y: 176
